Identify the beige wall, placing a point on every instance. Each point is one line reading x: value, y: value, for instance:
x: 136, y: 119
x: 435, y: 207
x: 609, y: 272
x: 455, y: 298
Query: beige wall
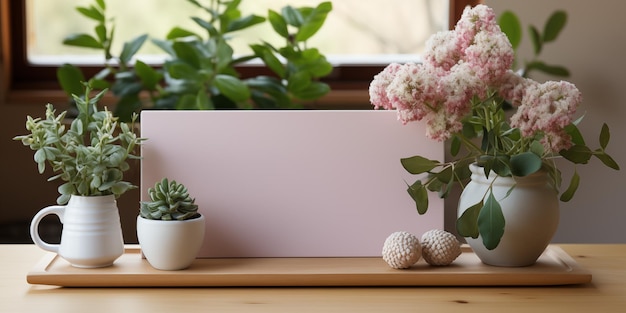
x: 592, y: 46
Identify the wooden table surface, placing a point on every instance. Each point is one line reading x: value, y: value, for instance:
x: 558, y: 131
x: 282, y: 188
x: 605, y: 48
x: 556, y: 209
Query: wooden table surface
x: 606, y: 293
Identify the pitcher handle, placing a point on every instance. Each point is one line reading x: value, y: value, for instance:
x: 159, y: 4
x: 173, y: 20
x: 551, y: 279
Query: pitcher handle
x: 58, y: 210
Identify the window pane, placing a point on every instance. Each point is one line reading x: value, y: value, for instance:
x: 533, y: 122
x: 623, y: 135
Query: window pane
x: 356, y: 31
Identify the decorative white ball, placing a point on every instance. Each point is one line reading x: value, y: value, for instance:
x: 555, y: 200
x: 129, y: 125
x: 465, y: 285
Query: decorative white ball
x: 440, y: 247
x: 401, y: 250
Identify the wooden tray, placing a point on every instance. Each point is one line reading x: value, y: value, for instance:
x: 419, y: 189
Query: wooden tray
x: 554, y: 267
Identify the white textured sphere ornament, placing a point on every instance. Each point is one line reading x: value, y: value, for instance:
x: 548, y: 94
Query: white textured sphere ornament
x: 440, y: 247
x: 401, y: 250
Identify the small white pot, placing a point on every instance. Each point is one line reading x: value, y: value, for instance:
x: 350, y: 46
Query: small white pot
x: 170, y: 245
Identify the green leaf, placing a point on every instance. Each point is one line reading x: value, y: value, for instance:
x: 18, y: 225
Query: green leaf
x: 178, y: 32
x: 511, y: 26
x: 292, y: 16
x: 575, y: 134
x: 203, y: 102
x: 130, y: 48
x: 537, y: 148
x: 525, y: 163
x: 92, y: 13
x: 419, y: 194
x: 491, y: 222
x: 571, y: 189
x: 126, y: 106
x: 314, y: 21
x: 101, y: 31
x: 70, y: 78
x: 101, y: 4
x: 605, y: 136
x: 313, y: 91
x: 467, y: 224
x: 418, y: 164
x: 187, y: 52
x: 578, y: 154
x: 555, y: 70
x: 181, y: 70
x: 232, y: 87
x: 535, y: 39
x: 554, y: 25
x: 278, y: 23
x: 607, y: 160
x: 269, y: 59
x: 224, y: 56
x: 244, y: 22
x: 455, y: 146
x: 82, y: 40
x: 149, y: 76
x: 165, y: 45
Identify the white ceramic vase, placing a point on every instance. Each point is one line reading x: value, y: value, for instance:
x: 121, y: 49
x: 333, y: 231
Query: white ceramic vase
x: 91, y: 235
x: 531, y: 213
x: 170, y: 245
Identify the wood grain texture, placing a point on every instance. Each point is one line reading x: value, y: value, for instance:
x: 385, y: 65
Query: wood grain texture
x: 555, y: 267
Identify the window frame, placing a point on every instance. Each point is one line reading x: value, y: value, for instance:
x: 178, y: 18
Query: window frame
x: 348, y: 82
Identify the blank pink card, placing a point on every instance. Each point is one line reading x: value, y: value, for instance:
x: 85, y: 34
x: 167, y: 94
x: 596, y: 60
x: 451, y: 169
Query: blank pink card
x: 292, y: 183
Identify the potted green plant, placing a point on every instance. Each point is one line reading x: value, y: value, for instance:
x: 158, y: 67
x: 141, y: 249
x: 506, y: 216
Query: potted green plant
x: 202, y: 71
x: 508, y: 211
x: 90, y: 156
x: 170, y: 229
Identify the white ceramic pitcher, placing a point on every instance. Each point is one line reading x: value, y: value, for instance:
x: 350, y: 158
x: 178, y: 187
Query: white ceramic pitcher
x: 92, y: 233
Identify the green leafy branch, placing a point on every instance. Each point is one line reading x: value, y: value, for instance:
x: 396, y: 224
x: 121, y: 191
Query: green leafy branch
x: 512, y: 27
x: 202, y: 73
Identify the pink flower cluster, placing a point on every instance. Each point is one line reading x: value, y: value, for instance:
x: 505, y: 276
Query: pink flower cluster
x: 467, y: 63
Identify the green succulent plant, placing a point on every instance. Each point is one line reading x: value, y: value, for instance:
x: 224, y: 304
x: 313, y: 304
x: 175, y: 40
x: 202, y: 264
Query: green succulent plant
x: 169, y: 200
x: 91, y: 155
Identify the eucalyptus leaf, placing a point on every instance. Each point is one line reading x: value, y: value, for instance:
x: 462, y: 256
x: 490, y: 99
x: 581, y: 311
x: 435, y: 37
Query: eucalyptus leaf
x: 575, y: 134
x: 467, y: 223
x: 578, y: 154
x: 535, y: 37
x: 605, y: 136
x: 511, y: 26
x: 418, y: 164
x: 455, y: 146
x: 568, y: 194
x: 419, y: 194
x: 554, y: 25
x: 525, y: 163
x: 491, y: 222
x: 548, y: 69
x: 607, y: 160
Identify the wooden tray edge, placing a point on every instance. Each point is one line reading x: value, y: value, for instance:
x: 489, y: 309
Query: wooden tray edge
x: 40, y: 274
